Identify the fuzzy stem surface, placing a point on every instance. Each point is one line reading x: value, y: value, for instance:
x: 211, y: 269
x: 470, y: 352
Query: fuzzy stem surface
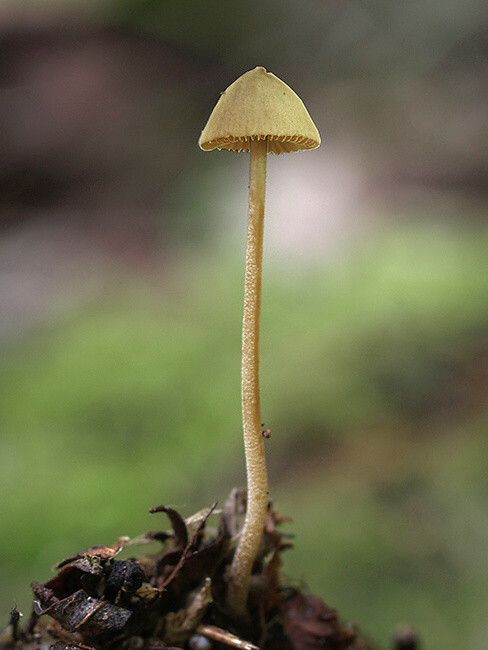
x: 257, y: 477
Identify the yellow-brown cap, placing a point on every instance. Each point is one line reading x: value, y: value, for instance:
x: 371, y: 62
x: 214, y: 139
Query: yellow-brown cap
x: 256, y: 106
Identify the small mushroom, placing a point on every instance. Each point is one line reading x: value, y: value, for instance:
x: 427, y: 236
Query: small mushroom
x: 260, y: 114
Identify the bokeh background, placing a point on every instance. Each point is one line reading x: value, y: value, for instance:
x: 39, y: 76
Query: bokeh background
x: 121, y: 269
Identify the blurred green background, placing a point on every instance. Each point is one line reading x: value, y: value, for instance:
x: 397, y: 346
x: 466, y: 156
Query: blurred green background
x: 121, y: 271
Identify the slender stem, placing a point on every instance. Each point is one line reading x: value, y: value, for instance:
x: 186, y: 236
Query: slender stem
x: 257, y: 477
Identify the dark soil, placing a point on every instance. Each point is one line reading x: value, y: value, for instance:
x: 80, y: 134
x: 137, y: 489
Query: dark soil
x: 176, y: 598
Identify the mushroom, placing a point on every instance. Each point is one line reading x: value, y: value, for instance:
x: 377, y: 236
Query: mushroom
x: 260, y: 114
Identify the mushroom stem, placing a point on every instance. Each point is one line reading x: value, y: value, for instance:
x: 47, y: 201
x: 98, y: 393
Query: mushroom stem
x: 257, y: 477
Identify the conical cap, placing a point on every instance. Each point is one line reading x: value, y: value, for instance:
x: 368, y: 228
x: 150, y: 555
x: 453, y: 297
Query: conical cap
x: 256, y: 106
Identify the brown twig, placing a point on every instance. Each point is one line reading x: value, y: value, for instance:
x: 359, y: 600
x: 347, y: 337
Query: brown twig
x: 222, y: 636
